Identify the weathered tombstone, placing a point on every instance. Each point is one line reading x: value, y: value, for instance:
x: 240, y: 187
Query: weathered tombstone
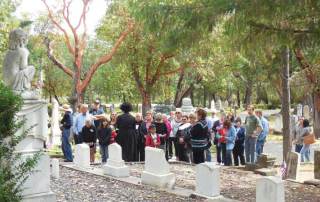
x: 55, y: 129
x: 187, y: 106
x: 226, y: 104
x: 299, y: 110
x: 55, y: 172
x: 306, y: 112
x: 270, y: 189
x: 219, y: 105
x: 82, y: 156
x: 115, y: 165
x: 317, y: 164
x: 278, y: 124
x: 213, y: 105
x: 18, y: 76
x: 156, y: 169
x: 208, y: 179
x: 293, y: 165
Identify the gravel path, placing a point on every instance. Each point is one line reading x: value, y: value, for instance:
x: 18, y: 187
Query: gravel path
x: 238, y: 184
x: 80, y: 186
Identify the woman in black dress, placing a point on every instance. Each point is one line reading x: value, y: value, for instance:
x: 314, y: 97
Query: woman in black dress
x: 126, y: 137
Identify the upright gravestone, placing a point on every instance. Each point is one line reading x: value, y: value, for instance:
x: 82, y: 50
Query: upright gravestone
x: 140, y: 108
x: 270, y: 189
x: 18, y: 76
x: 213, y: 105
x: 278, y: 125
x: 226, y: 104
x: 208, y: 180
x: 299, y: 110
x: 187, y: 106
x: 219, y: 105
x: 306, y: 112
x: 317, y: 164
x: 156, y: 169
x: 55, y: 129
x: 115, y: 165
x: 293, y: 165
x: 82, y: 156
x: 55, y: 171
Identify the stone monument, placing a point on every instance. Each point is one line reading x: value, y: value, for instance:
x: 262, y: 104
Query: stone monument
x: 293, y: 165
x: 299, y: 110
x: 187, y: 106
x: 208, y: 180
x: 306, y: 112
x: 270, y: 189
x: 17, y: 75
x: 156, y: 169
x: 219, y: 105
x: 55, y: 129
x: 213, y: 106
x: 115, y: 165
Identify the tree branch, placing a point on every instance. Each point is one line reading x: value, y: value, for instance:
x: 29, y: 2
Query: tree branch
x: 161, y: 63
x: 66, y: 37
x: 107, y: 57
x: 55, y: 60
x: 276, y: 29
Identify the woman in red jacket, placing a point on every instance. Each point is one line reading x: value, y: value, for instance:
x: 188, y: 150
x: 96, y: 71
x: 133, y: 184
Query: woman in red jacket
x: 152, y: 139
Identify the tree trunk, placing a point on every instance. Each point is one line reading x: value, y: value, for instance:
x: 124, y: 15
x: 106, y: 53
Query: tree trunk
x: 146, y: 102
x: 238, y: 98
x: 316, y: 113
x: 192, y: 97
x: 204, y: 97
x: 285, y: 109
x: 248, y: 93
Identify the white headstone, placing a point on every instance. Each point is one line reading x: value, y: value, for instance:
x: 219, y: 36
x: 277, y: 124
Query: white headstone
x: 156, y: 169
x: 82, y: 156
x: 278, y: 125
x: 115, y: 166
x: 225, y: 104
x: 219, y: 105
x: 306, y: 112
x: 55, y: 171
x: 55, y: 129
x: 208, y: 179
x: 213, y: 105
x: 270, y: 189
x: 140, y: 108
x: 299, y: 110
x: 187, y: 106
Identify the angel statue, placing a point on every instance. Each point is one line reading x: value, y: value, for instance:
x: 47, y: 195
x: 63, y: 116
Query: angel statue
x: 17, y: 74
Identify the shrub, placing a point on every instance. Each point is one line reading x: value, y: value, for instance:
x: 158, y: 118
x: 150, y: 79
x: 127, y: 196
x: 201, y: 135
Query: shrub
x: 14, y: 170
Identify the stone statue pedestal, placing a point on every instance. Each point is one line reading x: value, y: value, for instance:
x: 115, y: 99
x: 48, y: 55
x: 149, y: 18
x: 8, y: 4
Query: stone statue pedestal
x: 37, y: 186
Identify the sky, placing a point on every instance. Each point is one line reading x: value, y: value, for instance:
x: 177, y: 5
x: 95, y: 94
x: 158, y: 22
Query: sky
x: 33, y: 8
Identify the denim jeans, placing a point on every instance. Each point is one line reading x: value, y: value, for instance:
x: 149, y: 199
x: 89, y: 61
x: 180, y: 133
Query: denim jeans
x: 208, y: 155
x: 298, y: 148
x: 250, y: 148
x: 66, y: 146
x: 228, y: 161
x: 259, y: 147
x: 305, y: 153
x: 104, y: 153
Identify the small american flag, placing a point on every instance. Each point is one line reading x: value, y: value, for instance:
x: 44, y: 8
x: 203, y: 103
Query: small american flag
x: 283, y: 170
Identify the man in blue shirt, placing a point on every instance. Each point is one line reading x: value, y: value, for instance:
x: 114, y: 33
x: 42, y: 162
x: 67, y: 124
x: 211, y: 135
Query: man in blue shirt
x: 80, y: 122
x: 97, y: 110
x: 263, y: 134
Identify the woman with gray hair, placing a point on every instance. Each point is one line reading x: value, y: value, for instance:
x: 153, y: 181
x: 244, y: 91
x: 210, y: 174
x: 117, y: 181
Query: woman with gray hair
x: 161, y: 130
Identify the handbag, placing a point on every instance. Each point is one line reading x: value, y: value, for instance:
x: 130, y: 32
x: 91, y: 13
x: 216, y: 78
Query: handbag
x: 309, y: 139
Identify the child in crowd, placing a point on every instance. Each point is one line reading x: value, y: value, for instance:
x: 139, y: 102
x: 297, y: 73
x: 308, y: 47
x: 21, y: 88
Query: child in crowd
x: 104, y: 137
x: 152, y: 139
x: 90, y: 137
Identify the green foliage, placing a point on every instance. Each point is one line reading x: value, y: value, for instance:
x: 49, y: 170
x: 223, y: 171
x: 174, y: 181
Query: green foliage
x: 14, y: 170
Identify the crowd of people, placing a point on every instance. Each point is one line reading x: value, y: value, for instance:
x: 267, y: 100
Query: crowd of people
x: 183, y: 137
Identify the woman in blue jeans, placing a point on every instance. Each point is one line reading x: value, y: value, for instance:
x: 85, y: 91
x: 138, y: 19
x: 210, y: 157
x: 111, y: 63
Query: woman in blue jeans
x: 305, y: 151
x: 230, y: 140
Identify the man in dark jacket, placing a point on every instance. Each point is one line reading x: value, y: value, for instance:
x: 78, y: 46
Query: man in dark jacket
x: 66, y: 124
x: 238, y: 150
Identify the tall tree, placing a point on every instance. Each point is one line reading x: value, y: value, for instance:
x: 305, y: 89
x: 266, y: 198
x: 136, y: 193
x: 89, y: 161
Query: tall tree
x: 76, y: 43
